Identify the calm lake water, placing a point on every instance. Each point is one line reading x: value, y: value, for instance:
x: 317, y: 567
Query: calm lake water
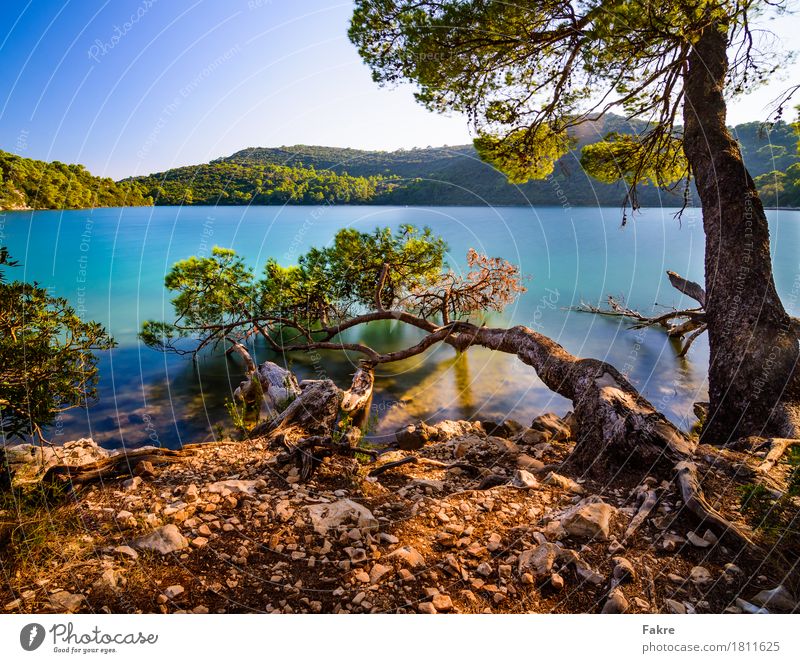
x: 111, y: 263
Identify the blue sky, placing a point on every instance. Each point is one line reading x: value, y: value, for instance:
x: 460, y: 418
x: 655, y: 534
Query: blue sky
x: 137, y: 86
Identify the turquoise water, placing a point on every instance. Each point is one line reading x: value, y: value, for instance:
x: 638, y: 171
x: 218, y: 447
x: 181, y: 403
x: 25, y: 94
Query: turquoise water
x: 110, y: 263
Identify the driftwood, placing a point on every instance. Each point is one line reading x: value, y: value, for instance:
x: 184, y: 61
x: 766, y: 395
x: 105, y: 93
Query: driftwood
x: 777, y: 447
x: 468, y: 467
x: 270, y: 382
x: 113, y: 467
x: 694, y: 499
x: 688, y: 288
x: 679, y: 323
x: 648, y: 504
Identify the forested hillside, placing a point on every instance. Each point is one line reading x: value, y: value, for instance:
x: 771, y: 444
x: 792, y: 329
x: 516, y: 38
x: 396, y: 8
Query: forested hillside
x: 439, y: 175
x: 225, y: 182
x: 308, y: 174
x: 31, y: 184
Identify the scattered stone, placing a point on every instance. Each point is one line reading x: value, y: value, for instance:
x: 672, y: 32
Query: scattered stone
x: 378, y: 572
x: 132, y: 484
x: 108, y: 581
x: 588, y: 519
x: 556, y: 582
x: 565, y: 483
x: 671, y: 542
x: 442, y: 603
x: 327, y: 516
x: 408, y: 556
x: 616, y: 604
x: 700, y: 575
x: 164, y: 540
x: 427, y: 608
x: 697, y: 541
x: 539, y: 560
x: 674, y: 607
x: 65, y: 602
x: 778, y: 598
x: 623, y: 570
x: 127, y: 551
x: 524, y: 479
x: 236, y: 486
x: 749, y: 608
x: 556, y: 428
x: 173, y: 591
x: 526, y: 462
x: 615, y: 546
x: 484, y: 569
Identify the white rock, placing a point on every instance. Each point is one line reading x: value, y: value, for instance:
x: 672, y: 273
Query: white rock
x: 408, y: 556
x: 553, y: 479
x: 233, y: 486
x: 697, y: 541
x: 588, y: 519
x: 327, y: 516
x: 163, y: 540
x: 700, y: 575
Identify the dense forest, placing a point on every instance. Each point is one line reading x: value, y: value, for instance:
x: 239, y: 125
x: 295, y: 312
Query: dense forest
x: 229, y: 182
x: 307, y: 174
x: 442, y: 175
x: 31, y: 184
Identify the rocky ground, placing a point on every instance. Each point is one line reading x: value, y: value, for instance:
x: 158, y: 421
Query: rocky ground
x: 485, y: 519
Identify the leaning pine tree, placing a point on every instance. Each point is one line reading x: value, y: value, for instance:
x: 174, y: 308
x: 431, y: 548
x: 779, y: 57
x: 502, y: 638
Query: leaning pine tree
x: 529, y: 73
x: 362, y: 278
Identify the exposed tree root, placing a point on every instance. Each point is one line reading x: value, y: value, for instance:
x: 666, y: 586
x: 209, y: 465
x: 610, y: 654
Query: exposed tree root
x: 649, y: 501
x: 695, y: 501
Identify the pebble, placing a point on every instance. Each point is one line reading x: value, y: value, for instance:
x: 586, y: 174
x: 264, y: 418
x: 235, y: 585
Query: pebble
x: 442, y: 603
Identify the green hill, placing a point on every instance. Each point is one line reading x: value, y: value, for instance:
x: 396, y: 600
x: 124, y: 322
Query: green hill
x: 427, y: 176
x: 31, y: 184
x: 309, y: 174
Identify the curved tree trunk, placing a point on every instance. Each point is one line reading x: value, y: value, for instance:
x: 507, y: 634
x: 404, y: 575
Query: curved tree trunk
x: 616, y: 425
x: 754, y: 388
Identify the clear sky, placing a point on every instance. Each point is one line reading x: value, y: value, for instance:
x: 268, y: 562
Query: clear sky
x: 136, y: 86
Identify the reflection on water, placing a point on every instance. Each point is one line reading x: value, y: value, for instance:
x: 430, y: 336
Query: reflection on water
x: 572, y: 255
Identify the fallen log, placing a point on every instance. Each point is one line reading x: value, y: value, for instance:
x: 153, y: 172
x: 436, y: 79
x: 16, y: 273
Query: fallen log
x: 113, y: 467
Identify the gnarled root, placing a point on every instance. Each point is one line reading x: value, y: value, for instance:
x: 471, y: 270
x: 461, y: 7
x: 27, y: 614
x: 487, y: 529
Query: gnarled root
x: 694, y: 499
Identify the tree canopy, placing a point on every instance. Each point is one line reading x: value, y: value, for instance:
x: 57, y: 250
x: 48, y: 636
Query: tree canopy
x: 526, y: 74
x: 31, y: 184
x: 47, y: 360
x: 359, y: 278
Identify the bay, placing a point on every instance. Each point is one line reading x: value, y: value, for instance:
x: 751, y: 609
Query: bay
x: 110, y: 264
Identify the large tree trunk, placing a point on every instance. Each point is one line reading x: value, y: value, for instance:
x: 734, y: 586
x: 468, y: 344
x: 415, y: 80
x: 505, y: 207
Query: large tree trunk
x: 753, y: 379
x: 616, y: 426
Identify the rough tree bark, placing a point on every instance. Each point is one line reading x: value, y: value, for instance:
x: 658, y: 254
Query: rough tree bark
x: 754, y: 387
x: 615, y: 423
